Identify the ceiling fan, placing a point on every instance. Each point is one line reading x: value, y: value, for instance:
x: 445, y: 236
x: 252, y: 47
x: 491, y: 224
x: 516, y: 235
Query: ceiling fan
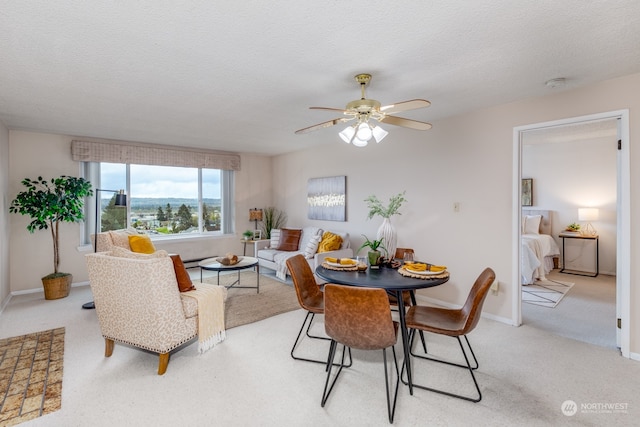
x: 363, y: 110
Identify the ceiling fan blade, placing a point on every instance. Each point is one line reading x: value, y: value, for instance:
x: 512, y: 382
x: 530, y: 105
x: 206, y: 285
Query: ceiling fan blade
x: 404, y: 106
x: 407, y: 123
x: 323, y: 125
x: 328, y: 109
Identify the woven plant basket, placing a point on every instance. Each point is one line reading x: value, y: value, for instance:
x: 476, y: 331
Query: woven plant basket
x: 57, y: 287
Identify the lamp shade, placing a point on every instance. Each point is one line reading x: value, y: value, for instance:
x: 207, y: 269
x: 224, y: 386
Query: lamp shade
x: 121, y: 199
x: 588, y: 214
x: 379, y: 133
x: 364, y: 132
x: 255, y: 214
x: 347, y: 134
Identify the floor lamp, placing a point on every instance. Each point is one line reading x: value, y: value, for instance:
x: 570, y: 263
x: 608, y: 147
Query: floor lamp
x: 121, y: 202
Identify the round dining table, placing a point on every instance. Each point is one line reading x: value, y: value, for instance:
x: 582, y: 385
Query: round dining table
x: 394, y: 283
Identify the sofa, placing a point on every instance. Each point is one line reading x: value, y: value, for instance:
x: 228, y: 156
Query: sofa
x: 314, y: 243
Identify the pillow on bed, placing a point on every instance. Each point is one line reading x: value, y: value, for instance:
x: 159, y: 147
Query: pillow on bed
x: 532, y: 224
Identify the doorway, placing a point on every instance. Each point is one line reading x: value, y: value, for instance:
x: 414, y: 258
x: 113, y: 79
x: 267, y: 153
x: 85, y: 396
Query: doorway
x: 620, y: 264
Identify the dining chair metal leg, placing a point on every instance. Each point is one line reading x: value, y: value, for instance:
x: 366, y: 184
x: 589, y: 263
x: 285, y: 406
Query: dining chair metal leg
x: 391, y: 404
x: 467, y: 366
x: 391, y: 407
x: 446, y: 362
x: 308, y: 320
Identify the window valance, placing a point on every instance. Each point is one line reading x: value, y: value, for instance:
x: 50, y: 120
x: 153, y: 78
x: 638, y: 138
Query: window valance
x: 152, y: 154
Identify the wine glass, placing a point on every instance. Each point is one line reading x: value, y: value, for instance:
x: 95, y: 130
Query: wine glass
x: 408, y: 258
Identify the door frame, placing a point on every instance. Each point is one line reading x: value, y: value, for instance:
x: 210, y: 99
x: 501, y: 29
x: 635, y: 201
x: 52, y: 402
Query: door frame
x: 623, y: 255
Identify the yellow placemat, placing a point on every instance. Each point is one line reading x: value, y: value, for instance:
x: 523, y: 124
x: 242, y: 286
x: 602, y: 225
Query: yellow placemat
x: 331, y: 267
x: 407, y: 273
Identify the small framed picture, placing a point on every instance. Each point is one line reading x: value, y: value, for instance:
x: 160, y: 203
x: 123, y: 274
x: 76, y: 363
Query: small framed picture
x: 257, y: 234
x: 527, y: 192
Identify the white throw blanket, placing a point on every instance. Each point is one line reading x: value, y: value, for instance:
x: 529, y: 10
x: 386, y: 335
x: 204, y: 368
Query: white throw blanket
x: 281, y: 263
x: 210, y: 300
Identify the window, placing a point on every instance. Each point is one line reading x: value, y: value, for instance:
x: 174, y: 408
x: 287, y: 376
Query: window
x: 161, y: 200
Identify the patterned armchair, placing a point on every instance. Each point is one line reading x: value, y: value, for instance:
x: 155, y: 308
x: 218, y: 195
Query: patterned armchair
x: 138, y: 303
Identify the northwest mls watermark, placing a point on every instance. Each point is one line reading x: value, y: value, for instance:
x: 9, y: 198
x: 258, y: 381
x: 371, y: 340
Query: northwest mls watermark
x: 570, y: 408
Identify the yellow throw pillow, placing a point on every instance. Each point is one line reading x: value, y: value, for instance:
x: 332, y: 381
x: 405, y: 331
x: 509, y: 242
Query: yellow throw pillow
x: 329, y: 242
x: 141, y: 244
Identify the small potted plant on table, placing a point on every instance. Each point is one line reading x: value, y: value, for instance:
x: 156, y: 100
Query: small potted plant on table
x: 374, y: 254
x: 248, y: 235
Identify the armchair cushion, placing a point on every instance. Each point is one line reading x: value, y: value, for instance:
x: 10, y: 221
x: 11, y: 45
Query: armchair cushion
x: 182, y: 276
x: 142, y: 244
x: 289, y: 239
x: 119, y: 252
x: 121, y: 237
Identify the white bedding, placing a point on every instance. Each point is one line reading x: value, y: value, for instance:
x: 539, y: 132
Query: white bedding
x: 537, y: 255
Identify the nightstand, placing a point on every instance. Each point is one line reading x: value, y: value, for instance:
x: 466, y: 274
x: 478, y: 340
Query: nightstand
x: 596, y: 240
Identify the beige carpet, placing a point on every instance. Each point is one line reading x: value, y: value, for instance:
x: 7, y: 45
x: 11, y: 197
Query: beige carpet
x: 30, y: 375
x: 245, y: 306
x: 545, y: 293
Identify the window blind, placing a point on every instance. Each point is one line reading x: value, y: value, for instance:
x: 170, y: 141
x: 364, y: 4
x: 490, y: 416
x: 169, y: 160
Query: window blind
x: 152, y: 154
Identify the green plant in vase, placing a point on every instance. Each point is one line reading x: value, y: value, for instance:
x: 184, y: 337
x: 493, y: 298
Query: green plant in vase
x: 248, y: 235
x: 374, y: 254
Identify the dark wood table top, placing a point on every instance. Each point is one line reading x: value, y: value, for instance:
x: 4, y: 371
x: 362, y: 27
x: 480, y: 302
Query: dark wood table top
x: 383, y: 277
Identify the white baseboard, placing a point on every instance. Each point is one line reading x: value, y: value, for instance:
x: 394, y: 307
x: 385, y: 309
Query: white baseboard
x: 454, y: 306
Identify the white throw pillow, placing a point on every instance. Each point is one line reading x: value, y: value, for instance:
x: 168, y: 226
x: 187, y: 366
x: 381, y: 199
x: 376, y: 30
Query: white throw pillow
x: 312, y: 246
x: 532, y: 224
x: 275, y: 238
x: 307, y: 234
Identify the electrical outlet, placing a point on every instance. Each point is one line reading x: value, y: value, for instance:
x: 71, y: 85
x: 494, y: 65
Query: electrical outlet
x: 495, y: 286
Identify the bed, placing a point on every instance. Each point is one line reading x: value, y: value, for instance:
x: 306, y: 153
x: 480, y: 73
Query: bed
x: 538, y: 246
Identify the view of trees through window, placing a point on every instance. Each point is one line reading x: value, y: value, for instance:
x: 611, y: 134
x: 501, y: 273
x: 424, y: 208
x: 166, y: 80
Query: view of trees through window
x: 161, y: 199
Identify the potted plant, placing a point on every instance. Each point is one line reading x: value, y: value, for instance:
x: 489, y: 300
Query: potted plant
x: 386, y: 230
x: 272, y: 218
x: 48, y: 203
x: 248, y: 235
x: 374, y: 253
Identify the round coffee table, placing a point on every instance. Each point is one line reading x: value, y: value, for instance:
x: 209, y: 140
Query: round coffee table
x: 246, y: 262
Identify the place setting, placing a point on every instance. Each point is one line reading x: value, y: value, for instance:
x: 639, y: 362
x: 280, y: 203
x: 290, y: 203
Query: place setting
x: 421, y: 270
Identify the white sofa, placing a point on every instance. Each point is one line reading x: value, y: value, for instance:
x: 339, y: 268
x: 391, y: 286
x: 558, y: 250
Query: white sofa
x: 269, y: 256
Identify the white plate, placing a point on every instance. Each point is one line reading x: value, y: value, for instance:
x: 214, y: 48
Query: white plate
x: 425, y: 273
x: 335, y: 264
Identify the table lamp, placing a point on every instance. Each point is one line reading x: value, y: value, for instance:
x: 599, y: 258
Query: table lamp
x: 255, y: 215
x: 587, y: 215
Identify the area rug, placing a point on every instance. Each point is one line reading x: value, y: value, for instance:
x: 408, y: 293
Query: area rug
x: 245, y: 306
x: 30, y: 375
x: 545, y: 293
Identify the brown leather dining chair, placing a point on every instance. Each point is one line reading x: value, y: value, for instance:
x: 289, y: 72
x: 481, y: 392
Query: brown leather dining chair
x: 359, y: 318
x: 310, y: 298
x: 454, y: 323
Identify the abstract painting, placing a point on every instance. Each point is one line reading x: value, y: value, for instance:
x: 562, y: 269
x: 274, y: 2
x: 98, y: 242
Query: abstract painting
x: 326, y: 198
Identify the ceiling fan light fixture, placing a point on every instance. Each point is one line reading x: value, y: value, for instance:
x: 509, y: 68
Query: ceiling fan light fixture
x: 347, y: 134
x: 379, y: 133
x: 360, y: 142
x: 364, y: 132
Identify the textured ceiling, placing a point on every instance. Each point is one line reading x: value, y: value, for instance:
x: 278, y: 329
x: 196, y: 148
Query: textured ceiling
x: 241, y: 75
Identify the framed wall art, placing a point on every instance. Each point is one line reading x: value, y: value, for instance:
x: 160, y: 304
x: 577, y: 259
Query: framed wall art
x: 527, y: 192
x: 326, y: 198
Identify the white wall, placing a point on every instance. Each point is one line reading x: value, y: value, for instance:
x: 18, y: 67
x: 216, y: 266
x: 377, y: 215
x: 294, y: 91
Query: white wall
x: 37, y: 154
x: 465, y: 159
x: 574, y: 174
x: 4, y: 214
